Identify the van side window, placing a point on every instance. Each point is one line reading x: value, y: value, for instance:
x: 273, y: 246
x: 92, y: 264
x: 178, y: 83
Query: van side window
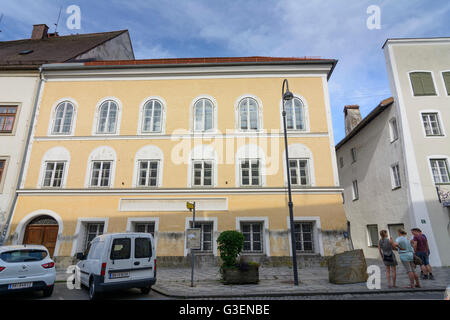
x: 121, y: 249
x: 93, y: 247
x: 142, y: 248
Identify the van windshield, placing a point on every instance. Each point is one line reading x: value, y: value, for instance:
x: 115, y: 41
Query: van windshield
x: 23, y: 255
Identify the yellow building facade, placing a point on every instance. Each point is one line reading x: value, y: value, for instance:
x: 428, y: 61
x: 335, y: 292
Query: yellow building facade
x: 122, y: 146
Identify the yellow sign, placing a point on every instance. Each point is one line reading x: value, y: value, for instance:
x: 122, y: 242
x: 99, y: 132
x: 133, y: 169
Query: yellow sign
x: 189, y: 205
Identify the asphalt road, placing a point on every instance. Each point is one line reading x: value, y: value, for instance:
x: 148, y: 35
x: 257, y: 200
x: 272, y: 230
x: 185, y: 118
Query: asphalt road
x: 61, y: 292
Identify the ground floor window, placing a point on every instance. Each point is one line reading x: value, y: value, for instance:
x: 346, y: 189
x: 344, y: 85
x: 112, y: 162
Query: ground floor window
x: 393, y: 228
x: 252, y: 232
x: 93, y: 230
x: 146, y: 227
x: 372, y: 230
x: 206, y: 235
x: 304, y: 240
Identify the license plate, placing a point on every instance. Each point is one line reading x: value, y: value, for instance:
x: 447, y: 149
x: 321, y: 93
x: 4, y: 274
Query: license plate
x: 20, y: 285
x: 115, y: 275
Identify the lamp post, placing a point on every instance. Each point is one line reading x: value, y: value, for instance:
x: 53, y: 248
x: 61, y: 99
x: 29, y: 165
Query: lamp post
x: 287, y: 96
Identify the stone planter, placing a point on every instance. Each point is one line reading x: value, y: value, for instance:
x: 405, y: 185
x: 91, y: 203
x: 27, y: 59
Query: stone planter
x: 239, y: 276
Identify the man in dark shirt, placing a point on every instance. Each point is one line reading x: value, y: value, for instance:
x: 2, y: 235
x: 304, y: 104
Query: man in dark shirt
x: 420, y: 244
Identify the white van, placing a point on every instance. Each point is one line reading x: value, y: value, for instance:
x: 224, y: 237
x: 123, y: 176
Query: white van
x: 118, y: 261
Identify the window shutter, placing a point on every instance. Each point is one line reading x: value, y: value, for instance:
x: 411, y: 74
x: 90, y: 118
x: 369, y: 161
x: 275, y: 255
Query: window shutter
x: 428, y: 85
x: 416, y: 84
x: 446, y: 76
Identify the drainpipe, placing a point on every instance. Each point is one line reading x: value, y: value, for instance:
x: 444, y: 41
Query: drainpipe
x: 22, y: 167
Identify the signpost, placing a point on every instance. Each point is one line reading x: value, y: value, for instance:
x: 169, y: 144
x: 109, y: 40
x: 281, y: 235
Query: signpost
x: 192, y: 238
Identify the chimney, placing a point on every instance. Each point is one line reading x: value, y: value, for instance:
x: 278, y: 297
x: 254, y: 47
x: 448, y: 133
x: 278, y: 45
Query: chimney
x: 352, y: 117
x: 39, y: 32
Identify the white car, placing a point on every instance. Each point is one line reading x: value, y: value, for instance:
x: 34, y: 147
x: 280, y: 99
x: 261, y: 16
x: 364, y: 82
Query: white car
x: 118, y: 261
x: 26, y: 268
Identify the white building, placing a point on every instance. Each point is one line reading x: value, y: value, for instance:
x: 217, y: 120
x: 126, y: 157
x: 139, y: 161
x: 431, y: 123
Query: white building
x: 19, y: 82
x: 394, y: 164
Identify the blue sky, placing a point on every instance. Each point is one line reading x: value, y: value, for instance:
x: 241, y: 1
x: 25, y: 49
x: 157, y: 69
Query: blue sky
x: 293, y: 28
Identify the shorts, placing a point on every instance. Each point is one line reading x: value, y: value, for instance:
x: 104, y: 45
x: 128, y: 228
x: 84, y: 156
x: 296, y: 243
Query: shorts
x: 424, y: 257
x: 409, y: 266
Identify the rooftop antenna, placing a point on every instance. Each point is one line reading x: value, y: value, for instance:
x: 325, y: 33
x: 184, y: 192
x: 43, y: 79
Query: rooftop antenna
x: 57, y: 22
x: 1, y: 18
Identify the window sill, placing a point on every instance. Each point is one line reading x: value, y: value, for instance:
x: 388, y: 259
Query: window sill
x: 392, y: 141
x: 252, y: 253
x: 303, y: 253
x: 395, y: 188
x: 355, y: 199
x: 434, y: 135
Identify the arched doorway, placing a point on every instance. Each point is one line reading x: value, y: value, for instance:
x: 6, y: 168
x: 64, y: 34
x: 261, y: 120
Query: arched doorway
x: 42, y: 230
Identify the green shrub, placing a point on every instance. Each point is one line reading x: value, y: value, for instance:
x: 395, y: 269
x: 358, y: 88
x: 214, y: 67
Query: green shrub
x: 230, y: 244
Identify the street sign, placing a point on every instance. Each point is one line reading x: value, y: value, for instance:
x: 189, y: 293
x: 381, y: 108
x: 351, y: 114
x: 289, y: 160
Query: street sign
x: 190, y: 205
x: 193, y: 238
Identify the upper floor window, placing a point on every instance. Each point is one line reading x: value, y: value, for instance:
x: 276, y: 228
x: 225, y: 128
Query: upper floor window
x: 341, y: 162
x: 7, y: 118
x: 202, y: 173
x: 355, y: 190
x: 295, y: 116
x: 203, y: 115
x: 54, y: 172
x: 299, y: 172
x: 250, y: 172
x: 2, y: 168
x: 422, y: 83
x: 148, y: 173
x: 108, y: 114
x: 446, y: 76
x: 101, y: 173
x: 439, y: 167
x: 395, y: 176
x: 353, y: 153
x: 393, y: 129
x: 431, y: 124
x: 63, y: 118
x: 152, y: 116
x: 248, y: 114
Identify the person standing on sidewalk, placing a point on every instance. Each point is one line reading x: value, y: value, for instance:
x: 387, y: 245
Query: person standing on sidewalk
x: 406, y: 252
x: 420, y: 244
x: 388, y: 257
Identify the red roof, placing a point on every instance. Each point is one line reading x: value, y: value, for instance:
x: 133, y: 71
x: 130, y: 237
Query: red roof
x: 201, y: 60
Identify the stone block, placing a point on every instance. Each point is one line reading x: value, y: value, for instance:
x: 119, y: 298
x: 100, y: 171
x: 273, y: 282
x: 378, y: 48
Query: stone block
x: 347, y: 267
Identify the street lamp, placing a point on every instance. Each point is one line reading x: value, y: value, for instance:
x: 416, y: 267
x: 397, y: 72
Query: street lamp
x: 287, y: 96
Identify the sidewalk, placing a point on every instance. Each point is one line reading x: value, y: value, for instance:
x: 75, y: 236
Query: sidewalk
x: 274, y: 282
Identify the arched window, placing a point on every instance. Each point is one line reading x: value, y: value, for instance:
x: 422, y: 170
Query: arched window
x: 107, y: 120
x: 152, y: 116
x: 248, y: 114
x: 203, y: 115
x: 63, y: 118
x: 295, y: 114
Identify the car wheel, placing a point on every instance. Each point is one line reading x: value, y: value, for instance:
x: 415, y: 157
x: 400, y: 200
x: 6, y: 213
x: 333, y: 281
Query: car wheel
x: 93, y: 294
x: 47, y: 292
x: 146, y: 290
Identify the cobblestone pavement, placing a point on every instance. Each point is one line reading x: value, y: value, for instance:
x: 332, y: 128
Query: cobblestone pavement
x: 175, y: 282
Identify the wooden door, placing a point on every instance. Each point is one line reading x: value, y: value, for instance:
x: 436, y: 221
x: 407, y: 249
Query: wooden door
x: 45, y: 235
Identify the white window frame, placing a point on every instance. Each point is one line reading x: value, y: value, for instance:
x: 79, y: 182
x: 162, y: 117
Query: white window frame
x: 102, y: 153
x: 305, y: 115
x: 308, y: 172
x: 97, y: 117
x: 260, y: 122
x: 80, y: 232
x: 214, y: 128
x: 140, y: 130
x: 393, y: 129
x: 55, y: 154
x: 202, y: 184
x: 438, y: 157
x: 214, y: 234
x: 5, y: 169
x: 440, y: 123
x: 52, y: 178
x: 202, y: 152
x: 147, y: 178
x: 355, y: 191
x: 100, y: 177
x: 317, y: 234
x: 265, y: 237
x: 369, y: 238
x: 51, y: 129
x: 411, y: 87
x: 393, y: 176
x: 250, y: 176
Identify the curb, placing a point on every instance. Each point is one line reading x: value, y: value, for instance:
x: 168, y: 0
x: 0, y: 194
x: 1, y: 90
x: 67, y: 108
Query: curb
x: 291, y: 294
